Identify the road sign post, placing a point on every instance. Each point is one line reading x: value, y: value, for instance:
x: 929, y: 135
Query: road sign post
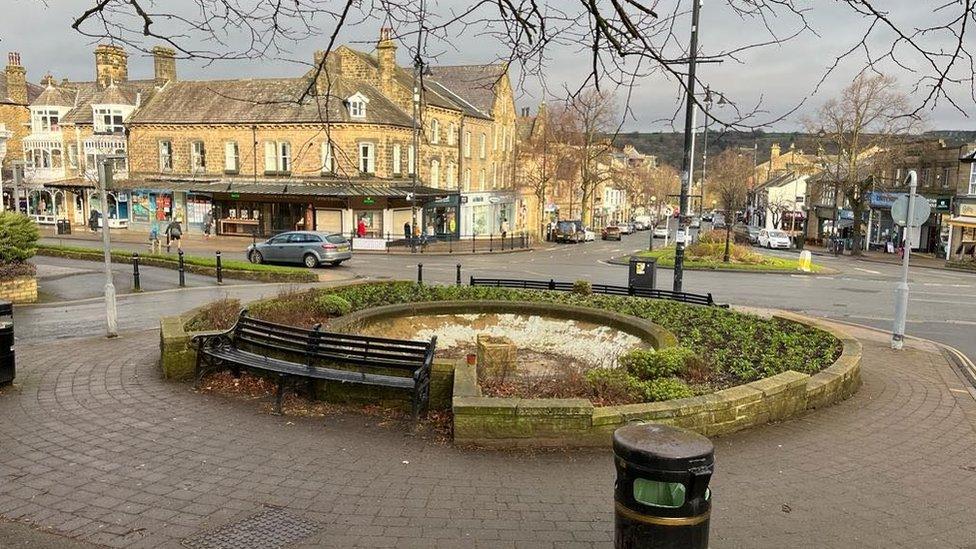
x: 910, y: 213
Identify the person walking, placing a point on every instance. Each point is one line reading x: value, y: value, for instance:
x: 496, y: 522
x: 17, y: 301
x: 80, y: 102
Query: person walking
x: 406, y: 231
x: 505, y: 228
x: 174, y: 231
x: 208, y: 221
x: 93, y: 220
x: 361, y: 228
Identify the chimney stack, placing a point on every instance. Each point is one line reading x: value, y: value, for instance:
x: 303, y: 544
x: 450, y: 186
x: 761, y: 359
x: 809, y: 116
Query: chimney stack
x: 164, y: 63
x: 774, y: 151
x: 111, y: 64
x: 386, y: 54
x: 16, y: 79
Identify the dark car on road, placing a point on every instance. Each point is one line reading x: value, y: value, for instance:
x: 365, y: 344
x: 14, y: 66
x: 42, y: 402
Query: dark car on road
x: 569, y: 231
x: 610, y: 232
x: 309, y: 248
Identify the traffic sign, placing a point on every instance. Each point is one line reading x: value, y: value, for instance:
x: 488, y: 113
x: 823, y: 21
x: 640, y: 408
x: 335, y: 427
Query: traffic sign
x: 899, y: 211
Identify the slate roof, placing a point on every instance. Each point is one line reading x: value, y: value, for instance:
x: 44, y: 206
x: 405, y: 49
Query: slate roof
x: 33, y: 90
x: 90, y: 93
x: 291, y: 187
x: 54, y: 96
x: 263, y: 100
x: 475, y: 83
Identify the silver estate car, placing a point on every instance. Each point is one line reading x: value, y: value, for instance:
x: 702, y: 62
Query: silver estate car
x: 307, y: 247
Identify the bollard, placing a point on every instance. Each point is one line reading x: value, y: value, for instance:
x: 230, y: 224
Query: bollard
x: 473, y: 250
x: 182, y: 271
x: 8, y: 365
x: 661, y: 495
x: 420, y: 273
x: 491, y: 242
x: 450, y: 244
x: 511, y: 245
x: 458, y: 278
x: 136, y: 286
x: 220, y: 270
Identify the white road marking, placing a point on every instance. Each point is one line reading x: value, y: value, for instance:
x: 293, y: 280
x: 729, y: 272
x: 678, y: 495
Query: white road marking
x: 867, y: 271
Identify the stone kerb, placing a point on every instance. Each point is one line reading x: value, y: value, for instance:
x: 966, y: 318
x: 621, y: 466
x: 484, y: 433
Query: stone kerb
x: 509, y: 422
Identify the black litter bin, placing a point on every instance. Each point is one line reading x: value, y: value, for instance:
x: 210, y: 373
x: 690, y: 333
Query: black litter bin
x: 661, y: 496
x: 643, y: 273
x: 64, y: 226
x: 7, y: 367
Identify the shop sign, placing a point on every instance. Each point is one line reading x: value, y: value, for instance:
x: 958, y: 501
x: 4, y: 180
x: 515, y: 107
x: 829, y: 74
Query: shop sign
x: 477, y: 199
x: 878, y: 199
x: 943, y: 204
x: 464, y: 199
x: 967, y: 209
x: 494, y: 199
x: 369, y: 201
x: 235, y: 195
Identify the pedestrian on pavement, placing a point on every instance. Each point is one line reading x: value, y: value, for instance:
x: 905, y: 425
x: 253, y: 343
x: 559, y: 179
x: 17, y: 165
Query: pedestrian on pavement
x: 93, y: 220
x: 504, y: 227
x: 175, y: 232
x: 406, y: 230
x: 361, y: 228
x: 208, y: 220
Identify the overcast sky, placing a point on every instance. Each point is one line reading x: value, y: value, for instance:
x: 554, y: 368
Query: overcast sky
x: 779, y: 76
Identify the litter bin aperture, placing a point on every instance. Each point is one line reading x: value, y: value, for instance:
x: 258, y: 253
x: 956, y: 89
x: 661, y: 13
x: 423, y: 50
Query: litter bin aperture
x: 661, y: 496
x: 7, y: 364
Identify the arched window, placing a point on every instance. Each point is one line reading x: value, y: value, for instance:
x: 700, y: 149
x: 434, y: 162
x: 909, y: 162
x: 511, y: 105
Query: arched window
x: 435, y: 173
x: 451, y: 134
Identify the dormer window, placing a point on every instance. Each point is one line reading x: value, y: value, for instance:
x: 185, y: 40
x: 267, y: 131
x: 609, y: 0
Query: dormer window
x: 108, y: 119
x: 45, y: 120
x: 357, y: 105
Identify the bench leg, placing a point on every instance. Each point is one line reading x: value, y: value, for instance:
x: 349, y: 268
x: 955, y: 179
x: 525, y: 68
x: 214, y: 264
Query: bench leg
x: 279, y: 395
x: 310, y: 388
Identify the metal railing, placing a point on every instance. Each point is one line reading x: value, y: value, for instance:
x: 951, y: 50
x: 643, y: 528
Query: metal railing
x: 393, y: 243
x: 606, y: 289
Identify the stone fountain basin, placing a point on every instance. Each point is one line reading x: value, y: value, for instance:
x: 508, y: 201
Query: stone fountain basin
x: 462, y: 320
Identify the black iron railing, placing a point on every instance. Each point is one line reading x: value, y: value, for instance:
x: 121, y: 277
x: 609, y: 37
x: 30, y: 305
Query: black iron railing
x: 607, y: 289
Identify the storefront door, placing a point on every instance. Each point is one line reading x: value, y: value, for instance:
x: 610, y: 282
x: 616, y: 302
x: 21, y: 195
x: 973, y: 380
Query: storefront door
x: 328, y: 221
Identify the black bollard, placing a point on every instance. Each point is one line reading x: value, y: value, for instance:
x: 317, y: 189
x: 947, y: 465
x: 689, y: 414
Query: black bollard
x: 473, y: 250
x: 458, y: 280
x: 220, y: 270
x: 491, y: 242
x: 182, y: 271
x: 420, y: 273
x: 136, y: 286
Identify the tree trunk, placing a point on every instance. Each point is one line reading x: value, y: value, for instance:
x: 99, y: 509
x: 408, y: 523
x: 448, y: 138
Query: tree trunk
x: 728, y: 230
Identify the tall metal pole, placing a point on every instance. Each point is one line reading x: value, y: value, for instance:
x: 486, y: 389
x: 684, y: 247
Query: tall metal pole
x: 689, y: 145
x: 708, y: 105
x: 416, y: 151
x: 18, y: 179
x: 111, y: 312
x: 901, y: 290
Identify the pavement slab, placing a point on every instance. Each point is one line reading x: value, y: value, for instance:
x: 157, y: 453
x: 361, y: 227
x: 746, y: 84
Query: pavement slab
x: 96, y: 447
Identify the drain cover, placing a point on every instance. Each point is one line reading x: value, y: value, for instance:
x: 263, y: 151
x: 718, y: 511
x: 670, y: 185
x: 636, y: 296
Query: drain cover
x: 269, y: 529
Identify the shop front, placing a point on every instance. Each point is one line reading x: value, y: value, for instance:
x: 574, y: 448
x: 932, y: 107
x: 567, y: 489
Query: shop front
x: 240, y: 214
x: 442, y: 216
x: 484, y: 213
x: 882, y: 229
x: 961, y: 242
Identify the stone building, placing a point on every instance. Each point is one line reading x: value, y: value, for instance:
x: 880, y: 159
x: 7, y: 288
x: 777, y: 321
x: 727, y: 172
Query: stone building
x: 331, y: 149
x: 15, y: 94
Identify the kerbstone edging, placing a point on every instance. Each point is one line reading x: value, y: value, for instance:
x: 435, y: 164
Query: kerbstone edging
x: 658, y: 336
x: 508, y: 422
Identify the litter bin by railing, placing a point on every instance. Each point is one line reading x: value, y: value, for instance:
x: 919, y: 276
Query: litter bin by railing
x: 642, y: 273
x: 63, y: 226
x: 661, y: 496
x: 7, y: 363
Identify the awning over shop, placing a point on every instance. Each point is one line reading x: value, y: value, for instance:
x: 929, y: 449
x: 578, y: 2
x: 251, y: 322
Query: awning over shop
x: 286, y: 188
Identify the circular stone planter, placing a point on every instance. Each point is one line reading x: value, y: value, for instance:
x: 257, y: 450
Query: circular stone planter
x: 513, y: 422
x: 651, y: 333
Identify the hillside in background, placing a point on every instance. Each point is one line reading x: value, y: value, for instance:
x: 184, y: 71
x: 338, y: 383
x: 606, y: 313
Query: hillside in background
x: 667, y: 146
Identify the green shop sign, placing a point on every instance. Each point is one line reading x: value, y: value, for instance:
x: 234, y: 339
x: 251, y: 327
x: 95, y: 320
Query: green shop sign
x: 369, y: 201
x: 235, y: 195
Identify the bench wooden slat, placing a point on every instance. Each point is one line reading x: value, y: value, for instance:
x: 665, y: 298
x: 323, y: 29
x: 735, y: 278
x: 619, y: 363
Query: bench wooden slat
x: 247, y: 359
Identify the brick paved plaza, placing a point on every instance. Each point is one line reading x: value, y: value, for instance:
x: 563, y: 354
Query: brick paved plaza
x: 96, y: 447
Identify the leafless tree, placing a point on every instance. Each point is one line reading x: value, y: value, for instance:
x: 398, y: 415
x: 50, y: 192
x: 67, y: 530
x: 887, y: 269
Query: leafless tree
x: 729, y: 181
x: 866, y: 126
x: 545, y: 157
x: 590, y: 122
x: 621, y: 41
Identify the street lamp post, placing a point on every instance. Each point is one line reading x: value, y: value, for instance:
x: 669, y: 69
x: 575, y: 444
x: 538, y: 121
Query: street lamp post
x: 650, y: 240
x: 689, y: 146
x: 104, y: 163
x: 5, y: 135
x: 708, y: 105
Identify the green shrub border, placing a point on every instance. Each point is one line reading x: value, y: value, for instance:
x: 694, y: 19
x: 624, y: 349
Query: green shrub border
x: 207, y: 266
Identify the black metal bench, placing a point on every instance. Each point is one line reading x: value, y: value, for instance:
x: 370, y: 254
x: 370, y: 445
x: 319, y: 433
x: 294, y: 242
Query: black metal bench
x: 293, y: 353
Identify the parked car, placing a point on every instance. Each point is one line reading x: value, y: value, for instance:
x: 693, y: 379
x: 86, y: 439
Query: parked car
x: 569, y: 231
x: 309, y: 248
x: 625, y: 228
x: 745, y: 233
x: 774, y: 238
x: 610, y: 232
x: 660, y: 232
x: 639, y: 226
x: 589, y: 235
